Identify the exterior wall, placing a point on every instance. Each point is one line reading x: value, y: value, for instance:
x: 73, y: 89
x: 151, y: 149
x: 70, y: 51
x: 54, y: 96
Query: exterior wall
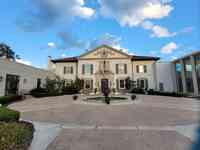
x: 165, y: 75
x: 30, y: 74
x: 58, y: 69
x: 150, y: 74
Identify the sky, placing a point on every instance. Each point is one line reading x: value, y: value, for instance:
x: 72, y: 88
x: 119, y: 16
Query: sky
x: 36, y: 29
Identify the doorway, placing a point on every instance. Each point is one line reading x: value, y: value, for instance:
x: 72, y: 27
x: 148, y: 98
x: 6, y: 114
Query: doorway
x: 12, y: 85
x: 104, y: 84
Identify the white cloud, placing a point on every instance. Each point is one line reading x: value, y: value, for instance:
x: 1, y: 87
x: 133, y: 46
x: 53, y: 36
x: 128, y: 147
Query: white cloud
x: 169, y: 48
x: 157, y: 31
x: 134, y: 12
x: 24, y: 62
x: 108, y: 39
x: 51, y: 45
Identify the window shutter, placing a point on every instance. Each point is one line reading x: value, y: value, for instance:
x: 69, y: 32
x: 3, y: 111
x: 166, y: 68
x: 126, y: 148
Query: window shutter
x: 64, y: 70
x: 91, y: 69
x: 91, y: 84
x: 83, y: 69
x: 138, y: 83
x: 137, y: 69
x: 125, y: 68
x: 72, y: 71
x: 145, y: 68
x: 147, y: 86
x: 117, y: 68
x: 117, y: 82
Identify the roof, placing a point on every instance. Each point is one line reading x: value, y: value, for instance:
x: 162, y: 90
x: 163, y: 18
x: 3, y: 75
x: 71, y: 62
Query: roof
x: 143, y: 58
x: 194, y: 53
x: 68, y: 59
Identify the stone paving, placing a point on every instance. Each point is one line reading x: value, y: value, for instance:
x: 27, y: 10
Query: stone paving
x: 152, y: 122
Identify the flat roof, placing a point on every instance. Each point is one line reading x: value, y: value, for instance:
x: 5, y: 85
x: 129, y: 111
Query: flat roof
x: 197, y: 52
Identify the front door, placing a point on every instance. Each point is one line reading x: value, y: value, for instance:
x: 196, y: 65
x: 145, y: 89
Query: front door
x: 12, y: 84
x: 104, y: 84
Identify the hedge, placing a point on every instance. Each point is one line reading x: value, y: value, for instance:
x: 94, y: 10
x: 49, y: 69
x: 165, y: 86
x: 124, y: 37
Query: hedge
x: 8, y: 115
x: 15, y: 135
x: 5, y: 100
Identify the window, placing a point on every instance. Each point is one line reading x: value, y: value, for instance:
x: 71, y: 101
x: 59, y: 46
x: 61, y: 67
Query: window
x: 197, y: 63
x: 68, y: 82
x: 38, y: 83
x: 141, y: 68
x: 88, y: 84
x: 121, y: 68
x: 122, y: 84
x: 142, y: 83
x: 178, y: 76
x: 68, y: 70
x: 188, y: 75
x: 161, y: 86
x: 87, y: 69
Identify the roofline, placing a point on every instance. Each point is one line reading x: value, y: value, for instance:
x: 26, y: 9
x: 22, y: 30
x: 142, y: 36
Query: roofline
x: 185, y: 56
x: 104, y: 45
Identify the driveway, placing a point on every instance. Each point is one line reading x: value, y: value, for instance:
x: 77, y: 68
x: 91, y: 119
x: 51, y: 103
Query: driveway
x: 152, y: 122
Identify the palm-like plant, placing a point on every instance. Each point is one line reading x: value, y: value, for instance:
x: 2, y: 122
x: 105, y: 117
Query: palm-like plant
x: 6, y: 51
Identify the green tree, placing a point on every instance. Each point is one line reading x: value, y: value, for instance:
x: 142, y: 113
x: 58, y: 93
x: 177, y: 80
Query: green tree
x: 6, y: 51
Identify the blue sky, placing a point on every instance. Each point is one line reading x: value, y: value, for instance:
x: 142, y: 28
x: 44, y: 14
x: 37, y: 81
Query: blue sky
x: 60, y: 28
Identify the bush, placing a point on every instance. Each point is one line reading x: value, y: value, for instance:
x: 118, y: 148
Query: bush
x: 5, y: 100
x: 75, y: 97
x: 70, y: 90
x: 133, y: 97
x: 138, y: 91
x: 8, y: 115
x: 15, y: 135
x: 173, y: 94
x: 41, y: 92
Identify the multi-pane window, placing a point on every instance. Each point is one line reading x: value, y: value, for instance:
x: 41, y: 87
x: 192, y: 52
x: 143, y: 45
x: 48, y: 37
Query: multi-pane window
x: 87, y: 69
x: 188, y: 75
x: 68, y: 70
x: 121, y: 68
x: 141, y: 68
x: 178, y: 76
x: 88, y: 84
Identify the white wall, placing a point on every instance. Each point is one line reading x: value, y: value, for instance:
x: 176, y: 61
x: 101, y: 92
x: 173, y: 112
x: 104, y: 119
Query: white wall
x: 31, y: 74
x: 165, y: 75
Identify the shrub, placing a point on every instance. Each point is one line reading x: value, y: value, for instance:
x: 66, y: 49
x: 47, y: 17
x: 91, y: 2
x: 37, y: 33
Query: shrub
x: 15, y: 135
x: 133, y: 97
x: 5, y: 100
x: 138, y: 91
x: 8, y: 115
x: 174, y: 94
x: 70, y: 90
x: 75, y: 97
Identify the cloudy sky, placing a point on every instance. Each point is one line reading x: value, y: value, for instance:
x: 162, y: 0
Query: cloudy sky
x: 60, y: 28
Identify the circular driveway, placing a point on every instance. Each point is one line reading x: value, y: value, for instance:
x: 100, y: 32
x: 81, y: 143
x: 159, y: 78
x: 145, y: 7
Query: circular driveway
x: 146, y: 111
x: 150, y: 123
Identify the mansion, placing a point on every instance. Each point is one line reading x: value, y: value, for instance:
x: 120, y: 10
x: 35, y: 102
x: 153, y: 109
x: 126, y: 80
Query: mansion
x: 108, y: 66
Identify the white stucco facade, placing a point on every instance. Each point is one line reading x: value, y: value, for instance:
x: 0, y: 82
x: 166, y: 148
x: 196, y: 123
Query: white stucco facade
x: 129, y: 67
x: 28, y: 76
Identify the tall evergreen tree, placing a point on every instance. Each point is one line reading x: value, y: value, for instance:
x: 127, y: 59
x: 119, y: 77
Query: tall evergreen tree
x: 6, y: 51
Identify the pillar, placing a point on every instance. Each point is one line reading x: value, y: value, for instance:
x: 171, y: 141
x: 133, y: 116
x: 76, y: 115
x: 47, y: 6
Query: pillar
x: 183, y: 76
x: 194, y: 76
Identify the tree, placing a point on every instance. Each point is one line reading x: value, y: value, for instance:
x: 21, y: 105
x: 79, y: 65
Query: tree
x: 6, y: 51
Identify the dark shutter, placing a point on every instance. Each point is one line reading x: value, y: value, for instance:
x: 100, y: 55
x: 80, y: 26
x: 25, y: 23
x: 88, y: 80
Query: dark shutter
x: 91, y: 69
x: 91, y: 84
x: 72, y: 70
x: 125, y: 68
x: 138, y: 83
x: 145, y: 68
x: 137, y: 69
x: 64, y: 70
x: 147, y: 85
x: 83, y: 69
x: 117, y: 68
x: 117, y: 82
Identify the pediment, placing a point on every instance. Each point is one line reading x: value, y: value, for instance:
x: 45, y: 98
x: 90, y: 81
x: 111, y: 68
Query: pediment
x: 104, y: 52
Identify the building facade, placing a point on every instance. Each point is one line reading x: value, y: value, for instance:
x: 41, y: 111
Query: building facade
x: 17, y: 78
x: 187, y: 74
x: 107, y: 66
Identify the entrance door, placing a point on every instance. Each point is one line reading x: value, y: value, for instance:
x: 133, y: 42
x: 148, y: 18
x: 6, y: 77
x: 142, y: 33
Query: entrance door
x: 12, y: 84
x: 104, y: 84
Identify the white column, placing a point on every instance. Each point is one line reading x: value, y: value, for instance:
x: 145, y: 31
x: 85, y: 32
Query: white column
x: 194, y: 76
x: 183, y: 76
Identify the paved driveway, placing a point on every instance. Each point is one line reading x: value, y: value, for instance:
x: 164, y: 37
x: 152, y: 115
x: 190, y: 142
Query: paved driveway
x: 150, y: 123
